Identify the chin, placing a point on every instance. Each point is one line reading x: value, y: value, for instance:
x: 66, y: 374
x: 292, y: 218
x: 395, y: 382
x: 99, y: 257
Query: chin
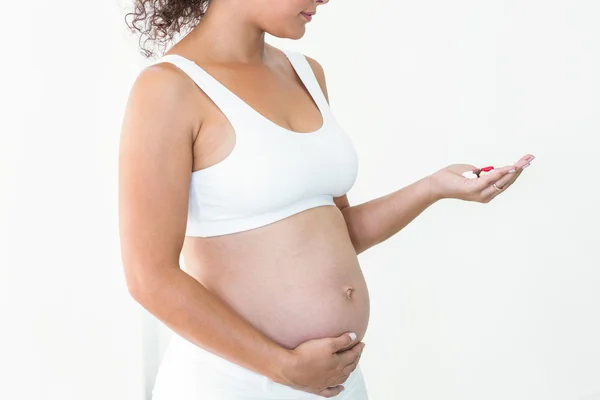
x: 293, y: 34
x: 297, y: 36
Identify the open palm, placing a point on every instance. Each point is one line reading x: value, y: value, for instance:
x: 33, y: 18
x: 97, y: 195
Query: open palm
x: 449, y: 182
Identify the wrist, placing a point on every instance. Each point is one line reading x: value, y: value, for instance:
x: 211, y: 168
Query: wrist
x: 435, y: 191
x: 280, y: 366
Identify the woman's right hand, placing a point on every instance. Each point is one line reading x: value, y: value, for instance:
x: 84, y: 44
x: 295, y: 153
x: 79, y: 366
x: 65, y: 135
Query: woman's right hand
x: 320, y: 366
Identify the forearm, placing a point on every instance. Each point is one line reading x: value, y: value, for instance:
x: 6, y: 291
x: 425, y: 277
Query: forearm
x: 377, y: 220
x: 191, y: 311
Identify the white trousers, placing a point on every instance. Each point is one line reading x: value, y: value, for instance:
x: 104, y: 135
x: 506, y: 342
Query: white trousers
x: 189, y: 372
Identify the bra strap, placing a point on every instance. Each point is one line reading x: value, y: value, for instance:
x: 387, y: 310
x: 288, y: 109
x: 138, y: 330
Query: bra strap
x: 230, y: 105
x: 306, y: 74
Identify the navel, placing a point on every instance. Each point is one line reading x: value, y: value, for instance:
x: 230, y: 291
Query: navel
x: 349, y: 292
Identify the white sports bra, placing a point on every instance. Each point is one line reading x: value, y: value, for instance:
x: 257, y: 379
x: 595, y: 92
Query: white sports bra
x: 272, y: 172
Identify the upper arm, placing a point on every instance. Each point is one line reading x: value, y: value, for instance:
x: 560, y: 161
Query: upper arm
x: 342, y: 201
x: 155, y: 163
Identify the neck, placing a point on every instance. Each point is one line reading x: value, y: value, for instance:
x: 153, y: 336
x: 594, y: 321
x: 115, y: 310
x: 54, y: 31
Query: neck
x: 226, y: 35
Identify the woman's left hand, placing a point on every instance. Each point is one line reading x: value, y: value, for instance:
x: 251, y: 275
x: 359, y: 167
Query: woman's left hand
x: 448, y: 183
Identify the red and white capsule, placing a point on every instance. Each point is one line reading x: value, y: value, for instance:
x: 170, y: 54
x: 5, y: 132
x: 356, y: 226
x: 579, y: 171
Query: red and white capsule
x: 477, y: 173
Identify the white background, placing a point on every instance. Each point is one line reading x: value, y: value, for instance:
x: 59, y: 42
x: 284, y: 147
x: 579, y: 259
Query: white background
x: 470, y: 301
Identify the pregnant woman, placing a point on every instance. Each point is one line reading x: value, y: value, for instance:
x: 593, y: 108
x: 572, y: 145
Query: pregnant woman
x: 231, y: 156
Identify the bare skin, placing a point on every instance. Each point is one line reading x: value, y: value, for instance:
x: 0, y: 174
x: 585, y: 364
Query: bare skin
x: 279, y: 299
x: 284, y: 295
x: 290, y: 268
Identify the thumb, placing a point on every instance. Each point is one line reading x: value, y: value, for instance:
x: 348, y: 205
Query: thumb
x: 343, y: 341
x: 331, y: 391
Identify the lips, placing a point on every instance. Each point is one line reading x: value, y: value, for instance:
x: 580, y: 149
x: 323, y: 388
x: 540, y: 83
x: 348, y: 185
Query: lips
x: 307, y: 16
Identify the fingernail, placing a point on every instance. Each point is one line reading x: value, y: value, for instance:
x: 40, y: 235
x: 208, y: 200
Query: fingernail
x: 352, y: 336
x: 512, y: 170
x: 525, y: 166
x: 531, y: 159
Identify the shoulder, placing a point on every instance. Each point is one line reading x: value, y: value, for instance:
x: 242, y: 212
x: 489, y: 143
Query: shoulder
x: 163, y: 94
x: 162, y: 84
x: 319, y: 74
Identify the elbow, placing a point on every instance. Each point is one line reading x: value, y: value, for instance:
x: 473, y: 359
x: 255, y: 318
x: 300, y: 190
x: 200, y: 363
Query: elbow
x: 135, y: 290
x: 137, y: 285
x: 145, y: 281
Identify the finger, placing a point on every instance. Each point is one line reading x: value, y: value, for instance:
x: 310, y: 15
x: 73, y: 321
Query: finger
x: 341, y: 379
x: 527, y: 158
x: 510, y: 178
x: 349, y: 356
x: 331, y: 391
x: 494, y: 176
x: 503, y: 183
x: 496, y: 187
x: 342, y: 341
x: 490, y: 193
x: 356, y: 347
x: 523, y: 163
x: 351, y: 367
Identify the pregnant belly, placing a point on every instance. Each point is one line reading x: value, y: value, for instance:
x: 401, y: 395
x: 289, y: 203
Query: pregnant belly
x: 294, y: 280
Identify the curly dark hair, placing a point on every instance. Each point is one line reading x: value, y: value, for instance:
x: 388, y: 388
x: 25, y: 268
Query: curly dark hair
x: 158, y: 21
